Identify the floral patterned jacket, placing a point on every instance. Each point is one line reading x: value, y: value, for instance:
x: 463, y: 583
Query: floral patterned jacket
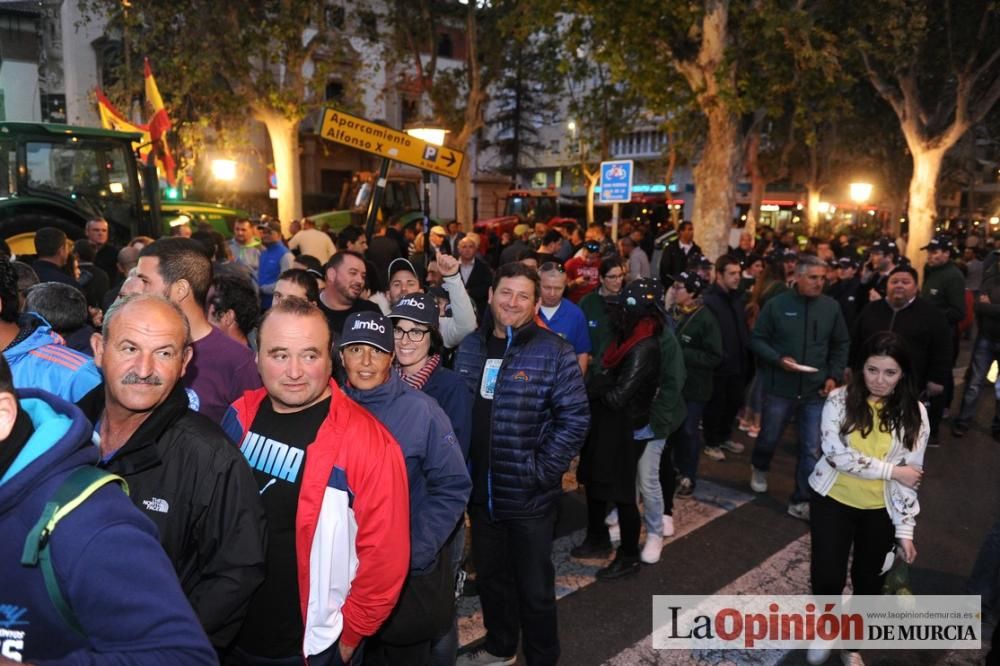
x: 838, y: 457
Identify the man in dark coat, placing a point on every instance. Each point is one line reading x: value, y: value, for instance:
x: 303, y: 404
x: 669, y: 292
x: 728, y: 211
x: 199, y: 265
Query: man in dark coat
x: 677, y: 253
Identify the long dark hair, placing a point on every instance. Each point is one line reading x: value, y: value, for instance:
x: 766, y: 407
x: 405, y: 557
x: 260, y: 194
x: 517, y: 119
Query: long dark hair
x: 900, y: 410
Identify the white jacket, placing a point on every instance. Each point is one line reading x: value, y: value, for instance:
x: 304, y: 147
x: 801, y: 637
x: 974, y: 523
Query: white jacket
x: 840, y: 458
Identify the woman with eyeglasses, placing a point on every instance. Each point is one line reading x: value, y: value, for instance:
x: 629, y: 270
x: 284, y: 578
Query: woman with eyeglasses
x: 418, y: 346
x: 595, y: 308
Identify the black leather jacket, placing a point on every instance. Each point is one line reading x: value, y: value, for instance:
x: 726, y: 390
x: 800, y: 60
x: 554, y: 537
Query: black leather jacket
x: 630, y: 386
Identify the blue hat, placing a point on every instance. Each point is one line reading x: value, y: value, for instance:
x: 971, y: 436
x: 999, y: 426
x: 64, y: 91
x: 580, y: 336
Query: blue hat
x: 368, y: 328
x: 418, y: 308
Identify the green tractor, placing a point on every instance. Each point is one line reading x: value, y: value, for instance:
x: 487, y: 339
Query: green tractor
x: 401, y: 201
x: 64, y: 176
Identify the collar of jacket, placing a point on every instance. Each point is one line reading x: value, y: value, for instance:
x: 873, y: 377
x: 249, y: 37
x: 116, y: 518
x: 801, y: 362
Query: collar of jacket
x: 521, y: 335
x: 142, y: 450
x: 382, y: 395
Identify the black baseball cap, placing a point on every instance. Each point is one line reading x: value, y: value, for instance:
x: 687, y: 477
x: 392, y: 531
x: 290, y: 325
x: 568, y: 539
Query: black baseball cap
x: 418, y: 308
x: 940, y: 242
x: 368, y: 328
x: 691, y: 281
x: 401, y: 264
x: 885, y: 245
x: 642, y: 295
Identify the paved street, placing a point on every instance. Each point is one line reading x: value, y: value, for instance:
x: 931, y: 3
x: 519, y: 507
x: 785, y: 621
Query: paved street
x: 731, y: 541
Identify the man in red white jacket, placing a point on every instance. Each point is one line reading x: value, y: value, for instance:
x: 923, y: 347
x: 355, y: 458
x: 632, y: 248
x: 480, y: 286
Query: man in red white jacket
x: 333, y: 483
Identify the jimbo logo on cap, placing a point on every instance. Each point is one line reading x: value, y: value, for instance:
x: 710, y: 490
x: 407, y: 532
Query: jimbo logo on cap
x: 368, y: 328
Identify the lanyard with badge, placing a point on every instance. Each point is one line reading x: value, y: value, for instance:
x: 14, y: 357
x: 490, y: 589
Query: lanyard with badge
x: 491, y: 371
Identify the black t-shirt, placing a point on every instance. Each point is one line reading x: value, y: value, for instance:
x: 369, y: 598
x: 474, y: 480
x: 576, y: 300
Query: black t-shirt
x: 336, y: 318
x: 276, y: 447
x: 482, y: 418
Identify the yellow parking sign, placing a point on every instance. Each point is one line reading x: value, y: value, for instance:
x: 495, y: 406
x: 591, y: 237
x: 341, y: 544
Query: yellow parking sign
x: 389, y: 143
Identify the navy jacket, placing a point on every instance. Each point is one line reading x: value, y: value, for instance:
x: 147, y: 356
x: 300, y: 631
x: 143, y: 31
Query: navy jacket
x: 438, y: 479
x: 731, y: 315
x: 540, y: 417
x: 452, y: 394
x: 108, y: 562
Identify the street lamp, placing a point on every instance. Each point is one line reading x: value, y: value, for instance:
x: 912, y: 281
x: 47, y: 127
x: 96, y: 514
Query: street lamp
x: 860, y: 193
x: 427, y: 131
x: 224, y: 170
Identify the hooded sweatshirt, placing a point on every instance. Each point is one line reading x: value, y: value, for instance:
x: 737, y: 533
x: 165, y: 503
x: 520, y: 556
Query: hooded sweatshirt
x: 108, y: 562
x: 43, y: 361
x: 439, y: 481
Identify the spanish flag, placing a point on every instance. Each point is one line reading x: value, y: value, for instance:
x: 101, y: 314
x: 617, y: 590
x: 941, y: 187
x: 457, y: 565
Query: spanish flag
x: 112, y: 119
x: 158, y: 126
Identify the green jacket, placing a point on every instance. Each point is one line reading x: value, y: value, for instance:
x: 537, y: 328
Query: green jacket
x: 668, y: 410
x: 812, y: 331
x: 699, y: 336
x: 595, y: 309
x: 944, y: 288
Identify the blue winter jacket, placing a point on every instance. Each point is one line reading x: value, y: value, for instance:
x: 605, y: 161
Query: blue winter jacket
x: 438, y: 479
x: 540, y: 417
x: 42, y: 361
x: 450, y: 391
x: 109, y: 564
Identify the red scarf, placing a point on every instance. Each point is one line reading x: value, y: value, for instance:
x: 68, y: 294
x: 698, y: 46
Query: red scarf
x: 616, y: 353
x: 420, y: 377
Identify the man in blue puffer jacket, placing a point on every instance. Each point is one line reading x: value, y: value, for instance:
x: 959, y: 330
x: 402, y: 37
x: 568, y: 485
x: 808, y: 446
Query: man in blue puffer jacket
x: 111, y: 571
x: 530, y: 418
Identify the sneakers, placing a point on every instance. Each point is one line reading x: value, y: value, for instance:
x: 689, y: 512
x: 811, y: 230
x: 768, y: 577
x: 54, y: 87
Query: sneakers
x: 481, y: 657
x: 668, y: 526
x: 651, y: 550
x: 685, y: 487
x: 620, y: 567
x: 849, y: 658
x: 799, y: 510
x: 758, y: 480
x: 592, y: 549
x: 715, y: 453
x: 731, y: 446
x: 753, y: 431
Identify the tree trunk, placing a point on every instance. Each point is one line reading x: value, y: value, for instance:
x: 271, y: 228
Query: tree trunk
x: 592, y: 178
x: 922, y: 210
x: 757, y: 182
x: 714, y: 177
x: 284, y: 135
x: 812, y: 210
x: 463, y: 196
x: 668, y: 179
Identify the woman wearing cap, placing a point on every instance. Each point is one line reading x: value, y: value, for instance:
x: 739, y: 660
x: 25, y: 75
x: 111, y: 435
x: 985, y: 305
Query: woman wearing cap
x: 610, y: 456
x: 595, y: 308
x: 874, y: 434
x: 697, y: 331
x: 419, y: 345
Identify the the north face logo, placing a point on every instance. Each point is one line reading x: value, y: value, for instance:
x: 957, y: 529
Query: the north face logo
x: 156, y: 504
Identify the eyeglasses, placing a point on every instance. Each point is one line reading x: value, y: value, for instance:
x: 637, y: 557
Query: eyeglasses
x: 551, y: 266
x: 414, y: 334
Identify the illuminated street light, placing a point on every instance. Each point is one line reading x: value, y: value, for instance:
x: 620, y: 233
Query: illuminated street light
x: 861, y: 192
x: 224, y: 170
x: 428, y: 132
x: 571, y: 126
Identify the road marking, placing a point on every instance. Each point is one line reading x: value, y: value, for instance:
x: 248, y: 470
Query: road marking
x: 710, y: 501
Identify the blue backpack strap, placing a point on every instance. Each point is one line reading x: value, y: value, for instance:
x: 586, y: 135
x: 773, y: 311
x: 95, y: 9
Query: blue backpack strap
x: 73, y: 491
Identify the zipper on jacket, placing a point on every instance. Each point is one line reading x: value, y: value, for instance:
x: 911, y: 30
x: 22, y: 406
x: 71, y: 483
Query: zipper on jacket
x: 489, y: 446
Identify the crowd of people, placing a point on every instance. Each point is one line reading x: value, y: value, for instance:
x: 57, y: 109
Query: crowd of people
x: 308, y: 424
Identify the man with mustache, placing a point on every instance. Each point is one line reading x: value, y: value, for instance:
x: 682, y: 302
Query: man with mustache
x: 182, y: 471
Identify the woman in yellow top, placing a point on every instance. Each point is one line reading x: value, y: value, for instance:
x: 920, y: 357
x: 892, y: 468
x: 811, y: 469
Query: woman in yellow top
x: 874, y: 433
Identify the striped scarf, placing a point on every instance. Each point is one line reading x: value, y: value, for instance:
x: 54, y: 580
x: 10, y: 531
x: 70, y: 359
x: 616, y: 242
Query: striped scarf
x: 418, y: 379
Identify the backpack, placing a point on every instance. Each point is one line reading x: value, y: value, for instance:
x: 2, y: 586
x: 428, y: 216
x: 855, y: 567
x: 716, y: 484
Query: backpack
x: 73, y: 491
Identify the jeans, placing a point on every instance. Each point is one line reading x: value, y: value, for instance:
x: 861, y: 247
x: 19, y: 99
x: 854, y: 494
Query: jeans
x: 648, y: 482
x: 984, y: 353
x: 688, y: 438
x: 835, y: 528
x: 726, y: 400
x: 517, y: 586
x: 776, y: 413
x: 985, y: 577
